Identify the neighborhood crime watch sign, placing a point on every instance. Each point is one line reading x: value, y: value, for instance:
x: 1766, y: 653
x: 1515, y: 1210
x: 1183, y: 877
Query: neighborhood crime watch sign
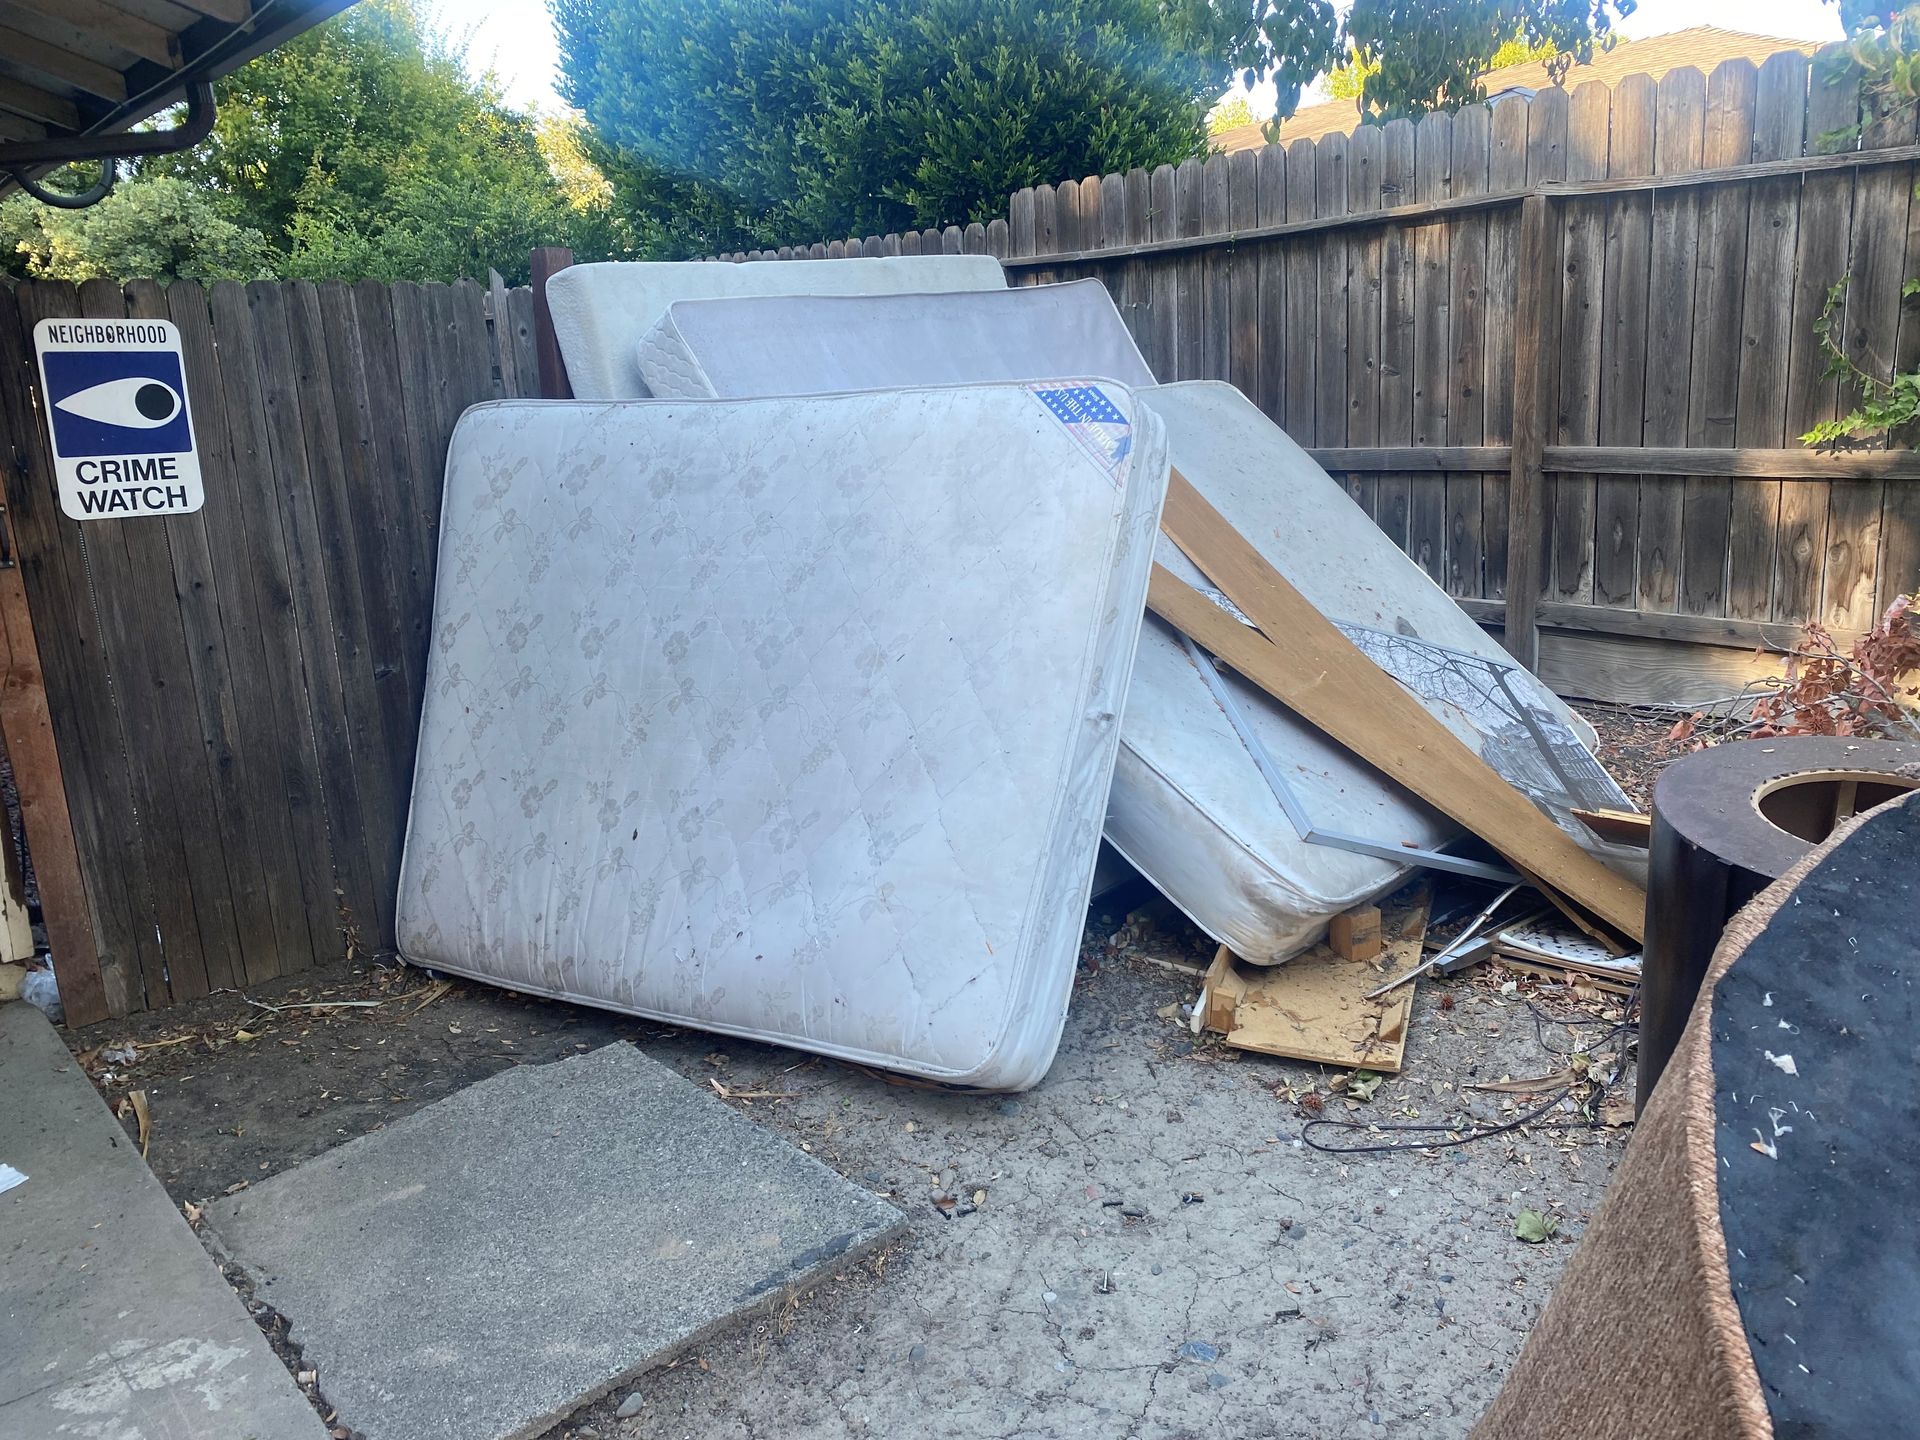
x: 116, y: 398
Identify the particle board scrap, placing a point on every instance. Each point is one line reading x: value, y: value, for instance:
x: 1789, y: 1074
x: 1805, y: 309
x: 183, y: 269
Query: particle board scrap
x: 1303, y: 660
x: 1315, y: 1007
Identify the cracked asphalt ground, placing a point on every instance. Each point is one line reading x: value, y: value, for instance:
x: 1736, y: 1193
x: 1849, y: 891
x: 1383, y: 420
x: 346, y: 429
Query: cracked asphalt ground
x: 1138, y: 1248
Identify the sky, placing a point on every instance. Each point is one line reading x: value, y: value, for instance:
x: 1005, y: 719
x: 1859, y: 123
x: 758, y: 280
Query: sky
x: 515, y: 37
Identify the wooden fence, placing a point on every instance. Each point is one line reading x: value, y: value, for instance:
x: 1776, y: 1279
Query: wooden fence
x: 1641, y: 374
x: 1559, y: 349
x: 233, y: 694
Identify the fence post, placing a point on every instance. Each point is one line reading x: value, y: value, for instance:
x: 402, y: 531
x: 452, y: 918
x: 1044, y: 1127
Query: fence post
x: 548, y: 261
x: 1532, y: 361
x: 28, y: 728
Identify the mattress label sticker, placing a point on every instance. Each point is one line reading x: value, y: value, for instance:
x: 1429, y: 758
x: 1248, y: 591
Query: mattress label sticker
x: 1096, y: 424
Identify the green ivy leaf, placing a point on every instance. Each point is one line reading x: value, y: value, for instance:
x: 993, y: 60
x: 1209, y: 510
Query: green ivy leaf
x: 1534, y: 1227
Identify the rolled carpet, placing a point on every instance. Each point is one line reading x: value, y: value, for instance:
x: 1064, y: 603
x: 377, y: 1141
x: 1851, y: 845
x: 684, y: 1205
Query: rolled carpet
x: 1751, y: 1272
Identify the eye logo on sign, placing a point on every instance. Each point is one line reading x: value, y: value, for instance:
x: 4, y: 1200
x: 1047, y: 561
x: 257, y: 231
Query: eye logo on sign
x: 117, y: 411
x: 135, y: 403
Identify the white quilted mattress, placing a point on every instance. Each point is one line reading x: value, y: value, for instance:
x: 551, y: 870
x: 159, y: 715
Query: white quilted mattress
x: 1189, y: 807
x: 790, y: 719
x: 600, y: 311
x: 767, y: 347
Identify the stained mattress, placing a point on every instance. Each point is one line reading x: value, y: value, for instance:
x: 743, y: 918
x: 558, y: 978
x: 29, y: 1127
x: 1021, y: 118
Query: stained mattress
x: 955, y: 339
x: 792, y: 719
x: 601, y: 311
x: 1190, y: 807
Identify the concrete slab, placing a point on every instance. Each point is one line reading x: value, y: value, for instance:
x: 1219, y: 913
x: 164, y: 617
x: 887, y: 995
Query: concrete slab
x: 489, y: 1263
x: 113, y: 1320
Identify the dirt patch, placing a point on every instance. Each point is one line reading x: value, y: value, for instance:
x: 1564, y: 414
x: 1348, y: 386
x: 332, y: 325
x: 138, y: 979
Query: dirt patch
x: 1636, y: 743
x: 1143, y: 1246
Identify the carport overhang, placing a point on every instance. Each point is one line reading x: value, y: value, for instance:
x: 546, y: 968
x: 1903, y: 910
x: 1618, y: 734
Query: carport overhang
x: 76, y: 76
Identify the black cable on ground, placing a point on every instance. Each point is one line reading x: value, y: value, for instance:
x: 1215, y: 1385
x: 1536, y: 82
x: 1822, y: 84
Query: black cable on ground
x: 1479, y: 1131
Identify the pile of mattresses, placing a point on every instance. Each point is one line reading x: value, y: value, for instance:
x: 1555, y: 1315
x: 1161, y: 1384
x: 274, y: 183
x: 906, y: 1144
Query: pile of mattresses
x: 784, y: 682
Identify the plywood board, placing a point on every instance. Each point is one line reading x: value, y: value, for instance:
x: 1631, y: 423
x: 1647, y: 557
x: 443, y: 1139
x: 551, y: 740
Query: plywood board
x: 1315, y: 1007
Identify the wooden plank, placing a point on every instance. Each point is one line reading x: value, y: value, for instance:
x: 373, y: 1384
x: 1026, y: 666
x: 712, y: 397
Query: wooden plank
x: 1622, y: 827
x: 1623, y: 341
x: 400, y: 429
x: 421, y: 390
x: 1113, y: 230
x: 1190, y: 322
x: 1305, y: 662
x: 251, y: 545
x: 1364, y: 261
x: 1271, y: 169
x: 42, y: 106
x: 365, y: 386
x: 334, y: 419
x: 1679, y: 135
x: 1330, y: 357
x: 1136, y: 282
x: 230, y: 665
x: 1533, y: 365
x: 66, y: 66
x: 526, y: 363
x: 1216, y: 200
x: 1301, y: 330
x: 133, y: 588
x: 1243, y: 278
x: 548, y: 261
x: 1766, y: 340
x: 1466, y: 352
x: 1637, y: 671
x: 1804, y: 557
x: 1163, y: 358
x: 1583, y: 232
x: 1432, y: 372
x: 1548, y: 121
x: 1736, y: 464
x: 500, y: 334
x: 1395, y: 492
x: 1716, y: 630
x: 96, y: 785
x: 1506, y: 173
x: 1315, y: 1007
x: 12, y: 127
x: 1420, y: 459
x: 1020, y: 222
x: 1719, y: 291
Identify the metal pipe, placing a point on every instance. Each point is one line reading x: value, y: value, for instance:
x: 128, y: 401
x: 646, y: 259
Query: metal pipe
x: 64, y: 151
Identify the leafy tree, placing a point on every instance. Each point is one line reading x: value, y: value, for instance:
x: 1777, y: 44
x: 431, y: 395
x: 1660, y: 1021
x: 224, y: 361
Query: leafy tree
x: 1346, y: 82
x: 1230, y: 114
x: 746, y: 122
x: 156, y: 227
x: 364, y: 147
x: 724, y: 124
x: 1420, y: 55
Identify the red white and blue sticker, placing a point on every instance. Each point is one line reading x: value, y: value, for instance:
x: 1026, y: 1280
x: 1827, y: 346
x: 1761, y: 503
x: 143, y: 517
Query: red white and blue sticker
x: 115, y: 393
x: 1097, y: 425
